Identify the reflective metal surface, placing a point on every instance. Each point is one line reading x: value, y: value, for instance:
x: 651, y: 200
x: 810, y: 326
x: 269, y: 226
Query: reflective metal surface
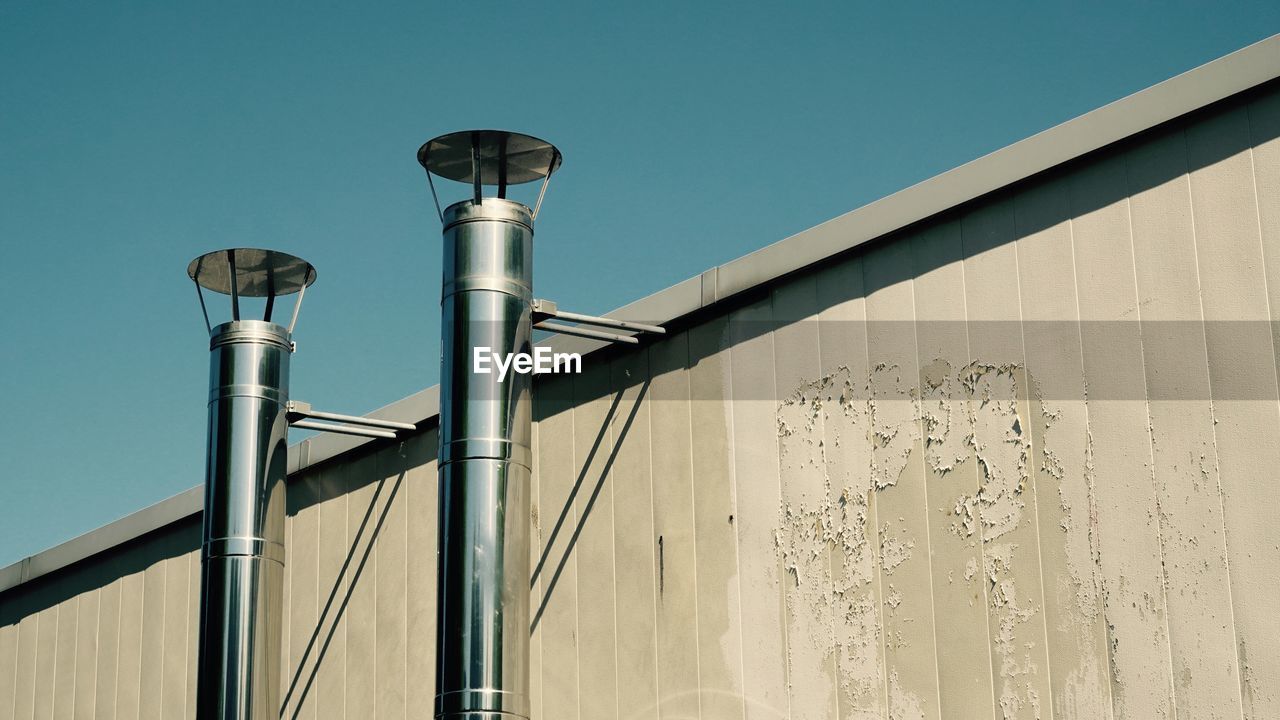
x: 485, y: 459
x: 498, y: 157
x: 256, y: 272
x: 238, y: 675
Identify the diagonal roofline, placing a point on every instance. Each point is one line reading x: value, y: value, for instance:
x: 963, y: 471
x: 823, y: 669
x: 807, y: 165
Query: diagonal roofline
x: 1180, y: 95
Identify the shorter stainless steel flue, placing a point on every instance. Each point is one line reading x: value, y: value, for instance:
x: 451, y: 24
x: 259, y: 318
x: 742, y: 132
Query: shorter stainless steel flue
x: 243, y: 555
x: 482, y: 615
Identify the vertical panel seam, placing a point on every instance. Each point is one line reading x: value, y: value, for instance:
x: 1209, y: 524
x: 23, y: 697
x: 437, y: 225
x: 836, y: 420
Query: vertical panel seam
x: 53, y: 681
x: 314, y: 642
x: 1142, y: 354
x: 1257, y: 209
x: 569, y: 500
x: 97, y: 643
x: 829, y: 591
x: 186, y: 635
x: 1031, y: 475
x: 648, y: 419
x: 827, y: 489
x: 75, y: 657
x: 164, y: 631
x: 733, y: 505
x: 35, y: 665
x: 933, y: 611
x: 781, y: 568
x: 286, y: 613
x: 1217, y: 461
x: 973, y: 428
x: 404, y: 589
x: 17, y: 657
x: 873, y: 503
x: 373, y: 542
x: 344, y: 588
x: 115, y: 680
x: 142, y: 619
x: 1095, y: 574
x: 693, y: 522
x: 536, y: 432
x: 315, y: 478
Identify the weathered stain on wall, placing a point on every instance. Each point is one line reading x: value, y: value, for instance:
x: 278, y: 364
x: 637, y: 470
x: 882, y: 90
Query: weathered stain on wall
x: 981, y: 413
x: 973, y: 408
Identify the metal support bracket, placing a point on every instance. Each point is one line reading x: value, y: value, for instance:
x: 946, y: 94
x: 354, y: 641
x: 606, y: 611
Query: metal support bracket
x: 545, y: 310
x: 301, y: 415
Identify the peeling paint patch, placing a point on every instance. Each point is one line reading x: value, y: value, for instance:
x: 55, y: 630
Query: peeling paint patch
x: 893, y: 551
x: 1083, y: 691
x: 903, y: 705
x: 896, y: 430
x: 967, y: 413
x: 822, y: 538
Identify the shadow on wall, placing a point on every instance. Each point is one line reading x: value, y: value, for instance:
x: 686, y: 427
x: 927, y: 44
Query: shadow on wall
x: 1232, y: 110
x: 94, y: 573
x: 550, y: 543
x: 330, y: 617
x: 184, y: 536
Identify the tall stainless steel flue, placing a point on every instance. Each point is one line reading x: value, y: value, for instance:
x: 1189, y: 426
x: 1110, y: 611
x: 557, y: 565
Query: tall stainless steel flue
x: 242, y: 560
x: 482, y: 649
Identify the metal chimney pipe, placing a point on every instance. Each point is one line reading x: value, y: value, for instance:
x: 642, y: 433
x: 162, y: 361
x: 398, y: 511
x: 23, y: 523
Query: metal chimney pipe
x: 485, y: 465
x: 486, y: 424
x: 243, y: 554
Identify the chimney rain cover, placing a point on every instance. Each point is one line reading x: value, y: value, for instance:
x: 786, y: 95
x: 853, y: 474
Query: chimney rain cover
x: 258, y: 273
x: 506, y: 158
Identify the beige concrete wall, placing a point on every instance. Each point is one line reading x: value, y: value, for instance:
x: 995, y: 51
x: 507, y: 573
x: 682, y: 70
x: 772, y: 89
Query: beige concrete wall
x: 1018, y: 462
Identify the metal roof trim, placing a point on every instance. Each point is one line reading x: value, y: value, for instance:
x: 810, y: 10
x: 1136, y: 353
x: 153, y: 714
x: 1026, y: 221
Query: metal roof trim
x: 1217, y: 80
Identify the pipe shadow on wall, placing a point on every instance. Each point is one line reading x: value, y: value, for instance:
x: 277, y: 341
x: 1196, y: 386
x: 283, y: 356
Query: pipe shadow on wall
x: 351, y: 582
x: 591, y: 500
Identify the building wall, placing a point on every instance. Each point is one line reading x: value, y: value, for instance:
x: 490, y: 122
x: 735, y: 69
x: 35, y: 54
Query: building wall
x: 1017, y: 462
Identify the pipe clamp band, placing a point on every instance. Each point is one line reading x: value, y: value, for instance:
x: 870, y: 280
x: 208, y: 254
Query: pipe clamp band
x: 506, y: 286
x: 256, y: 334
x: 482, y: 700
x: 245, y: 547
x: 486, y: 449
x: 263, y: 392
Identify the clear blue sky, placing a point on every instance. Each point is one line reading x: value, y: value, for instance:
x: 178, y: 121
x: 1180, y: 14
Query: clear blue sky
x: 134, y: 137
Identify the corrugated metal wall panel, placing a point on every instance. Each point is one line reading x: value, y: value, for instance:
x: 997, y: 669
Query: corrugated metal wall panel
x: 391, y: 574
x: 673, y: 524
x: 1076, y: 632
x: 1201, y: 642
x: 1253, y: 546
x: 1017, y: 462
x: 858, y: 600
x: 420, y: 587
x: 555, y: 615
x: 802, y: 539
x: 897, y: 477
x: 960, y: 599
x: 719, y: 592
x: 1234, y: 287
x: 755, y: 472
x: 108, y: 666
x: 635, y: 550
x: 8, y: 670
x: 1129, y: 535
x: 537, y: 540
x: 328, y: 637
x: 591, y: 538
